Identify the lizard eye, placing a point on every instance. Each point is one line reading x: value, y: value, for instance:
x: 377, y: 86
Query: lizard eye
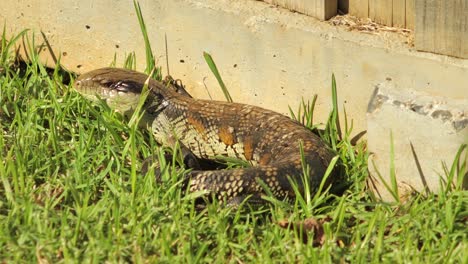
x: 120, y: 86
x: 124, y: 87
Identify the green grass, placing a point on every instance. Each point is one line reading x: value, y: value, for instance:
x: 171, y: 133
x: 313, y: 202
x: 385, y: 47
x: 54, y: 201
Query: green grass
x: 71, y: 191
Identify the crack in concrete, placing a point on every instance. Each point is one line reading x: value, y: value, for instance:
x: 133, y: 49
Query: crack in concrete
x: 457, y: 118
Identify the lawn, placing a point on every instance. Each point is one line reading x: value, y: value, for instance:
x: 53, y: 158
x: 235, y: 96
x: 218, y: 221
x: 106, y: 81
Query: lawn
x: 71, y: 191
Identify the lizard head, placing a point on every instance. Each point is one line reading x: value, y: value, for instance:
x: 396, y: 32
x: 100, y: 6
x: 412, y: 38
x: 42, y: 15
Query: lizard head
x: 120, y: 88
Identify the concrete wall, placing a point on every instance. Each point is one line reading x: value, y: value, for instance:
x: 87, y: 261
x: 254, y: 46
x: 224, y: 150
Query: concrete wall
x: 267, y: 56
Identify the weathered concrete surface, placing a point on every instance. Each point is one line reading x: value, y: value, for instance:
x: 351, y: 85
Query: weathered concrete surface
x: 426, y: 131
x: 267, y: 56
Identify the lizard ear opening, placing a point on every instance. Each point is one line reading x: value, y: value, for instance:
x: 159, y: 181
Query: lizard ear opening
x: 155, y: 103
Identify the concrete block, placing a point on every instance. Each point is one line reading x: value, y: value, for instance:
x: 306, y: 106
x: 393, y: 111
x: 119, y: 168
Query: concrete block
x: 427, y: 130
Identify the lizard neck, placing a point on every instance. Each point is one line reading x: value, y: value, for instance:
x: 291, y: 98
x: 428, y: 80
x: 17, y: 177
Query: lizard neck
x: 163, y: 110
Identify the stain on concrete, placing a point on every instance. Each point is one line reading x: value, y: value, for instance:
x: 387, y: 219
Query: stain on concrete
x: 445, y: 115
x: 398, y: 103
x: 460, y: 124
x: 417, y: 108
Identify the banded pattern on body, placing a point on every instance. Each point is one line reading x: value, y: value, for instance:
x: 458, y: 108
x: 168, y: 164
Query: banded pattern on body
x: 269, y: 141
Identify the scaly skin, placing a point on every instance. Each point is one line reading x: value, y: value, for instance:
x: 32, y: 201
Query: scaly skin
x: 269, y: 141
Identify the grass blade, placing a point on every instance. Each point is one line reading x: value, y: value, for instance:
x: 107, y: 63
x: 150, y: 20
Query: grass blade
x: 214, y: 69
x: 150, y: 60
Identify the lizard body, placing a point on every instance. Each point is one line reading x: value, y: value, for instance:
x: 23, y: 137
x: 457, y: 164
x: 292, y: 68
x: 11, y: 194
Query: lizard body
x: 267, y: 140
